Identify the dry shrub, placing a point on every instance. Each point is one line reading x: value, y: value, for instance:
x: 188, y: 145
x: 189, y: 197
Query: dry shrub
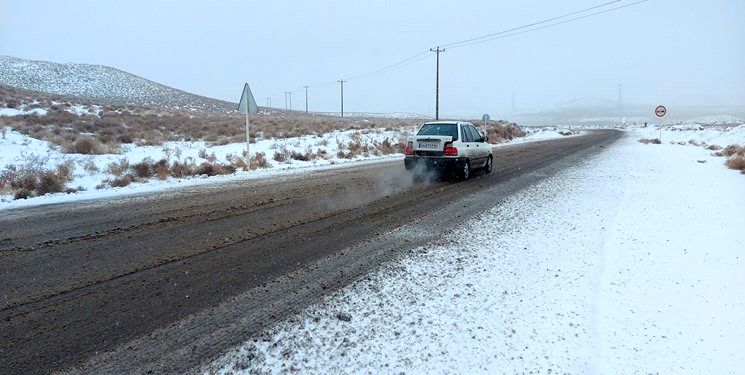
x: 90, y: 165
x: 355, y: 145
x: 736, y: 162
x: 33, y: 179
x: 144, y: 169
x: 647, y: 141
x: 161, y: 169
x: 12, y: 103
x: 50, y: 182
x: 387, y: 147
x: 122, y: 181
x: 295, y: 155
x: 279, y: 157
x: 180, y: 169
x: 239, y: 163
x: 118, y: 168
x: 713, y: 148
x: 500, y: 131
x: 210, y: 169
x: 23, y: 193
x: 732, y: 150
x: 83, y: 145
x: 259, y: 161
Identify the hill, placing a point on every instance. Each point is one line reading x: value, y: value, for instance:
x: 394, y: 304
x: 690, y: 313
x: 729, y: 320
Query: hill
x: 102, y: 84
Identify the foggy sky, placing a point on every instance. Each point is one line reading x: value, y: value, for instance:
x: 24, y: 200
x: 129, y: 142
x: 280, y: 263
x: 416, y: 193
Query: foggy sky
x: 674, y: 52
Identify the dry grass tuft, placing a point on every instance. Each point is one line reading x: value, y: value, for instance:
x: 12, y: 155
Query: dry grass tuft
x: 83, y: 145
x: 646, y: 141
x: 733, y: 150
x: 736, y: 162
x: 259, y: 161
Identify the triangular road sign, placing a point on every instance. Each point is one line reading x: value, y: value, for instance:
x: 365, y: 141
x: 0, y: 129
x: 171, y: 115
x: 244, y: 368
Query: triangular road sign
x: 247, y: 100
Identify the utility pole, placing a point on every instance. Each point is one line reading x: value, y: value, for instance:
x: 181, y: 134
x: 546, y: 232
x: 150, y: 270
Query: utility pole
x: 269, y: 102
x: 306, y: 99
x: 620, y: 104
x: 288, y: 94
x: 342, y: 96
x: 437, y: 82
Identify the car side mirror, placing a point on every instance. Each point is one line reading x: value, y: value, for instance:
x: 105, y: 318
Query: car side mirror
x: 485, y: 139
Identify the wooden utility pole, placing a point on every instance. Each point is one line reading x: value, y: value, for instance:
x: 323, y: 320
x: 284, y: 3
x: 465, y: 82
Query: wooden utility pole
x: 342, y: 96
x: 437, y: 82
x: 306, y: 99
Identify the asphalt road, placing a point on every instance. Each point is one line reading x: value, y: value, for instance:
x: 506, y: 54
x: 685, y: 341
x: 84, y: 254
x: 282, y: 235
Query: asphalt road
x: 164, y: 282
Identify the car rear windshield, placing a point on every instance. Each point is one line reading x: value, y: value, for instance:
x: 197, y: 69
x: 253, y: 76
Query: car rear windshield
x: 439, y: 129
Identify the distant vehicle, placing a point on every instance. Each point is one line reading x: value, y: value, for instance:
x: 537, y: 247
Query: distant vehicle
x: 449, y: 147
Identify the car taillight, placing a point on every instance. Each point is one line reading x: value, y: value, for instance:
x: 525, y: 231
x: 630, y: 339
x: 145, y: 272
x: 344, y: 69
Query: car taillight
x: 451, y: 151
x: 409, y: 149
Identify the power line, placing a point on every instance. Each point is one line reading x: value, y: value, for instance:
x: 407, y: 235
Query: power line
x: 422, y: 54
x: 529, y: 25
x: 502, y: 36
x: 476, y: 40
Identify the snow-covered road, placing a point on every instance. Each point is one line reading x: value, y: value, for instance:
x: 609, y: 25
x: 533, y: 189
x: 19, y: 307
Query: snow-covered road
x: 631, y: 262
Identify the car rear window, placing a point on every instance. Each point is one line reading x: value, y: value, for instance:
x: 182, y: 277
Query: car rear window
x: 439, y: 129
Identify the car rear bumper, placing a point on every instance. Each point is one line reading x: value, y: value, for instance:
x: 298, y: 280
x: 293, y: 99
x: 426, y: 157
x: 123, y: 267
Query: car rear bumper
x: 434, y: 163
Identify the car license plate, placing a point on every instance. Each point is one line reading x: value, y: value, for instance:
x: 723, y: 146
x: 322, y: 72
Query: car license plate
x: 427, y: 145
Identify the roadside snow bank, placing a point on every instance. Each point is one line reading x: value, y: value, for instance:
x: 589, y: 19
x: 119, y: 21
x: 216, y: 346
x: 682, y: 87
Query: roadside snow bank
x: 631, y: 262
x: 720, y: 135
x: 90, y: 171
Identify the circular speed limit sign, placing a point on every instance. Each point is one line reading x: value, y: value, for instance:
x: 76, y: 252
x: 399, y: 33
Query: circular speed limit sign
x: 660, y: 111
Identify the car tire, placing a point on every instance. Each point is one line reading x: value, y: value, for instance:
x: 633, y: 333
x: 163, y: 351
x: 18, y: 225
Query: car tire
x: 489, y: 164
x: 465, y: 171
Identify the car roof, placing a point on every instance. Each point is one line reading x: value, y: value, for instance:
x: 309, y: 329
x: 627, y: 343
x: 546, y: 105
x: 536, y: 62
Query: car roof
x: 447, y: 122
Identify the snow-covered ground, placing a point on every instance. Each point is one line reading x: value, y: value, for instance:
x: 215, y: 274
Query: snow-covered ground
x: 720, y: 135
x: 91, y: 170
x: 631, y: 262
x: 22, y: 111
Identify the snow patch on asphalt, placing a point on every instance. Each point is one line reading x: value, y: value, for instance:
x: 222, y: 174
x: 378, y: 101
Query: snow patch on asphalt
x: 631, y: 262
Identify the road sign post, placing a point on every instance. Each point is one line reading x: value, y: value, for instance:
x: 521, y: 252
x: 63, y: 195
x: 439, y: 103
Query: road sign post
x: 247, y: 105
x: 660, y: 111
x: 485, y: 118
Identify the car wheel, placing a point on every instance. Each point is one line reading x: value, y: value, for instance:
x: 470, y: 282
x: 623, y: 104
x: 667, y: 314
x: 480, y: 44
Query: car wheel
x: 488, y: 164
x: 465, y: 171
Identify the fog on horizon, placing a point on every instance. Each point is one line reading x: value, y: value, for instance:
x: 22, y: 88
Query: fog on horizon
x: 673, y: 52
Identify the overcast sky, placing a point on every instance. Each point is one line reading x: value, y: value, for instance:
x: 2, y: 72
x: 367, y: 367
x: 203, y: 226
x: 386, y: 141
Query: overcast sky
x: 676, y: 52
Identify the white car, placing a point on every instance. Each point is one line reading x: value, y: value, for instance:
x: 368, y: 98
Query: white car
x: 448, y: 146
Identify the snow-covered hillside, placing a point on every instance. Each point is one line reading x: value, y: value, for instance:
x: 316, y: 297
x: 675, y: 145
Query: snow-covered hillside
x: 100, y: 83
